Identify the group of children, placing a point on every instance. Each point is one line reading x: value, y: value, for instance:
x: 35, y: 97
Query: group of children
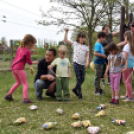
x: 118, y: 62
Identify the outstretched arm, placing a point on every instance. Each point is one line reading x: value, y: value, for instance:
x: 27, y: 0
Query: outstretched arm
x: 122, y: 44
x: 65, y: 37
x: 115, y: 33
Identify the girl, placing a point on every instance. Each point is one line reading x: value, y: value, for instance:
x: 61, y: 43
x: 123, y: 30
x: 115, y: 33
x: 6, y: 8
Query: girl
x: 22, y: 57
x: 109, y: 39
x: 115, y: 62
x: 80, y: 58
x: 63, y: 72
x: 129, y: 55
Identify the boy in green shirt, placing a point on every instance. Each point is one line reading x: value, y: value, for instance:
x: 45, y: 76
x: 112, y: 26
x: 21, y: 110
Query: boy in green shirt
x: 63, y: 72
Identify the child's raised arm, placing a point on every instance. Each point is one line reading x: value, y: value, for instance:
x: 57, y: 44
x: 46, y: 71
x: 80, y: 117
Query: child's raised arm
x: 65, y: 37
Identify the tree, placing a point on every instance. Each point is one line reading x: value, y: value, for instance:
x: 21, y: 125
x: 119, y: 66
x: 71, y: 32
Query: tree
x: 76, y: 14
x: 79, y: 13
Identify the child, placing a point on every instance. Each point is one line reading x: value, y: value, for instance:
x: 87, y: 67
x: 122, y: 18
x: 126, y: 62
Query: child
x: 63, y: 72
x: 99, y: 62
x: 129, y: 55
x: 115, y: 62
x: 80, y: 58
x: 22, y: 57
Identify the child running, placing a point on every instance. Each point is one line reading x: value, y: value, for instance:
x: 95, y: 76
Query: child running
x: 128, y: 51
x: 115, y: 62
x: 80, y: 59
x: 63, y: 73
x: 22, y: 57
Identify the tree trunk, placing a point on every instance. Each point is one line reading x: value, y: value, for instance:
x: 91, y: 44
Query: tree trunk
x: 90, y: 44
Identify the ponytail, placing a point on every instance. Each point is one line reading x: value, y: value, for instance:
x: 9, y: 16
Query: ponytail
x: 28, y: 38
x: 22, y: 45
x: 129, y: 36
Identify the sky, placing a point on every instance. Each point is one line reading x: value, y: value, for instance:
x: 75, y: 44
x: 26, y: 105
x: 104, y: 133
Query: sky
x: 20, y: 22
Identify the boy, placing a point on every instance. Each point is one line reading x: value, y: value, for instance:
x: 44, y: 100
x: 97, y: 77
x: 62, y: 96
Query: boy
x: 99, y: 62
x: 63, y: 72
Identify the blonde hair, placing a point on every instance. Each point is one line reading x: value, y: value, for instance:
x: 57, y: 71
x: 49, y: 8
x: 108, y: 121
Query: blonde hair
x: 28, y: 38
x: 62, y: 49
x: 129, y: 36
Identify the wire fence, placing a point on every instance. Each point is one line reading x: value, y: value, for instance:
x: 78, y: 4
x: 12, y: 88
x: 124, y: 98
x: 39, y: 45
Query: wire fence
x: 7, y: 55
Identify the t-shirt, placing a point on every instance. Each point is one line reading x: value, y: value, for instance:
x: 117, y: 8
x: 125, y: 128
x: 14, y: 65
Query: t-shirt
x: 115, y: 62
x: 79, y: 55
x: 61, y: 66
x: 99, y: 48
x: 22, y: 57
x: 108, y: 40
x: 130, y: 58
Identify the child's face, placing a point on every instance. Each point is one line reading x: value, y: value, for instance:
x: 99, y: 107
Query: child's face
x: 82, y: 40
x: 102, y: 39
x: 61, y: 55
x: 113, y: 52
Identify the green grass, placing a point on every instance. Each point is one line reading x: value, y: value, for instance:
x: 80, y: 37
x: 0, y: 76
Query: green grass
x: 10, y: 111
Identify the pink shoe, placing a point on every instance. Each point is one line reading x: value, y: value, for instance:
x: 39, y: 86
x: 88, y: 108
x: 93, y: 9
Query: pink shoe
x: 116, y: 102
x: 112, y: 101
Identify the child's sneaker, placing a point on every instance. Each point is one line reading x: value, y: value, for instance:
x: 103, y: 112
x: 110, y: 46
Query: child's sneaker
x: 9, y: 97
x: 103, y: 84
x: 116, y: 102
x: 97, y: 92
x: 129, y: 100
x: 112, y: 101
x: 27, y: 101
x: 123, y: 97
x: 75, y: 92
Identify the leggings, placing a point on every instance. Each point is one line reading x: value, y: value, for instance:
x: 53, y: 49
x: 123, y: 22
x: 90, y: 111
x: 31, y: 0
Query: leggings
x: 20, y: 78
x: 128, y: 84
x: 80, y: 75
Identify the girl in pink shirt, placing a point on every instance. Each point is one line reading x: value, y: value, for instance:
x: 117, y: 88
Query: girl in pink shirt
x: 22, y: 57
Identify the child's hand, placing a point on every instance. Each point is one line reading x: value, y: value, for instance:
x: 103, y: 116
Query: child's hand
x: 66, y: 29
x: 70, y: 76
x: 86, y: 65
x: 35, y: 62
x: 123, y: 70
x: 50, y: 66
x: 133, y: 68
x: 105, y: 75
x: 104, y: 56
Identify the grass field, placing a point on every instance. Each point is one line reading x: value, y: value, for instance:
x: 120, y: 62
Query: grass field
x: 10, y: 111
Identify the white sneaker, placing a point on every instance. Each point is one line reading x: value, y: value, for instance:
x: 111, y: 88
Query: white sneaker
x: 123, y: 97
x: 128, y: 100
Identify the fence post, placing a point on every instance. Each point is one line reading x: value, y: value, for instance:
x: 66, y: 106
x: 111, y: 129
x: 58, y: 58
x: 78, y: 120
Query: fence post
x: 11, y: 54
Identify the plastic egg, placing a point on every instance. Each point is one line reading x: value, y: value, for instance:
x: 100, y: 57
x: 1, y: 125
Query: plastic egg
x: 33, y: 107
x: 93, y: 130
x: 59, y: 111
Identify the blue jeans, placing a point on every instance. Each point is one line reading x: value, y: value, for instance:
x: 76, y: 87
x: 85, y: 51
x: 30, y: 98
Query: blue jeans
x: 39, y: 85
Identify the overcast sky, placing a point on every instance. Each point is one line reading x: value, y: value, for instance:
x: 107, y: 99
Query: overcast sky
x: 20, y: 22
